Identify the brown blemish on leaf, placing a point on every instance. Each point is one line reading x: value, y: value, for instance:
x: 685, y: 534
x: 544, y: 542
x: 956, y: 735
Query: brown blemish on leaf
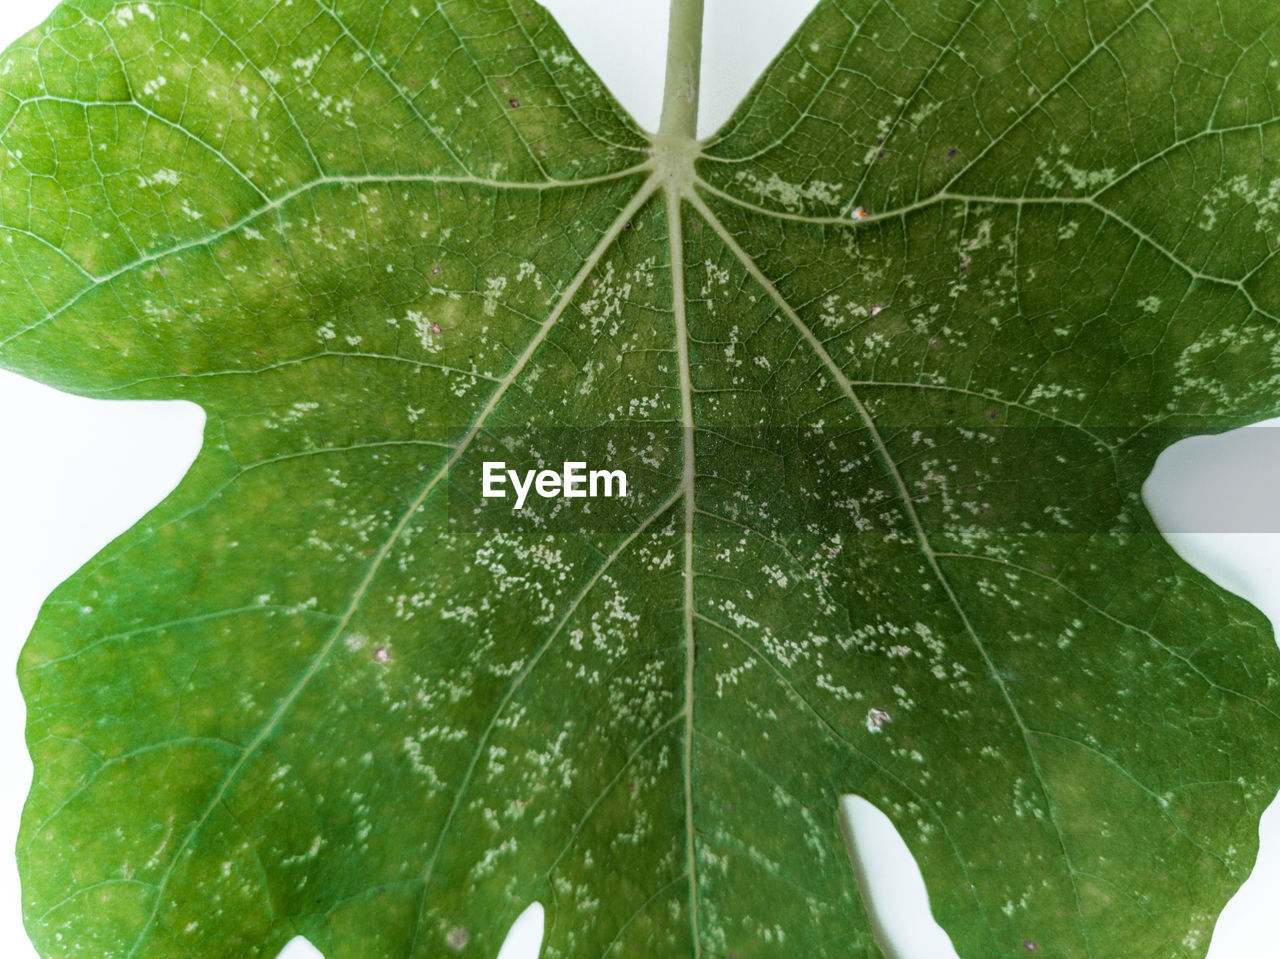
x: 457, y: 938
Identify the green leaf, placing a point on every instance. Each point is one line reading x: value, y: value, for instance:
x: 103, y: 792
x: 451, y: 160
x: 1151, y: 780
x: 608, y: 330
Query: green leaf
x: 886, y: 361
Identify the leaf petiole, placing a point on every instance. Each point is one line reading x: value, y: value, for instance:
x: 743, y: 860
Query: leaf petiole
x: 684, y: 61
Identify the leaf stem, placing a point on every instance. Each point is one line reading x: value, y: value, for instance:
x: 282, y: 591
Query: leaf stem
x: 684, y: 64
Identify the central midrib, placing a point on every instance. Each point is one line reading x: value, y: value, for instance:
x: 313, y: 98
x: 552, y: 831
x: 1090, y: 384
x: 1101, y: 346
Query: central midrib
x: 673, y: 158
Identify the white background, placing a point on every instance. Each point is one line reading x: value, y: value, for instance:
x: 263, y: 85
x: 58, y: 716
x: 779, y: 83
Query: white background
x: 74, y: 473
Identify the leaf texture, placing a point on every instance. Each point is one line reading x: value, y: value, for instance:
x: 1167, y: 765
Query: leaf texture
x: 886, y: 361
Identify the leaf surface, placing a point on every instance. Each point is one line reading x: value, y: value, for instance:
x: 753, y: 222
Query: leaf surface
x: 886, y: 361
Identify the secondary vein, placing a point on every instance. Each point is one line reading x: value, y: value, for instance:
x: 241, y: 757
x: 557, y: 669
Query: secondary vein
x: 908, y: 505
x: 588, y: 266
